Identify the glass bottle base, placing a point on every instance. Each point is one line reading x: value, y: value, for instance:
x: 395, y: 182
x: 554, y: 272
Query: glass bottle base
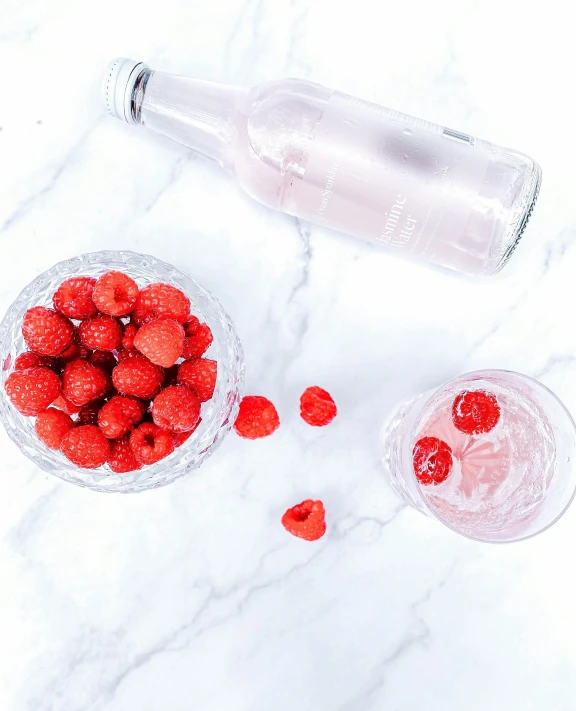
x: 526, y: 204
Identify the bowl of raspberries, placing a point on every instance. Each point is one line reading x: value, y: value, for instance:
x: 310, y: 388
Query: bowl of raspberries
x: 119, y: 372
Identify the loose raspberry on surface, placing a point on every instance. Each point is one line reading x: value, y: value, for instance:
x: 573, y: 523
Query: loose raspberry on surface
x: 47, y: 332
x: 138, y: 376
x: 317, y: 407
x: 73, y: 298
x: 31, y: 391
x: 88, y: 414
x: 83, y: 382
x: 130, y: 332
x: 257, y: 417
x: 200, y: 376
x: 115, y: 294
x: 86, y: 447
x: 161, y: 341
x: 161, y: 301
x: 122, y: 459
x: 432, y: 459
x: 51, y: 426
x: 103, y: 359
x: 198, y: 339
x: 306, y: 520
x: 62, y: 403
x: 176, y: 409
x: 119, y: 416
x: 150, y: 443
x: 101, y: 333
x: 475, y: 412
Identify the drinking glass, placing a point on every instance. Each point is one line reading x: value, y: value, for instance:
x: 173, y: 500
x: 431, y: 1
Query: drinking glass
x: 490, y: 454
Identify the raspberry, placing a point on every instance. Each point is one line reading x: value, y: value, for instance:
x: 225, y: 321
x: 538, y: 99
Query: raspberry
x: 31, y: 360
x: 27, y: 360
x: 32, y: 391
x: 180, y: 437
x: 137, y: 376
x: 86, y: 447
x: 161, y: 301
x: 176, y: 409
x: 119, y: 415
x: 73, y: 298
x: 432, y: 459
x: 72, y: 352
x: 101, y: 333
x: 122, y: 459
x: 75, y: 351
x: 200, y: 376
x: 257, y: 417
x: 88, y: 414
x: 475, y: 412
x: 306, y: 520
x: 125, y: 354
x: 150, y: 443
x: 130, y: 332
x: 83, y: 382
x: 161, y: 341
x: 62, y: 403
x: 103, y: 359
x: 317, y: 407
x: 115, y: 294
x: 47, y: 332
x: 51, y: 426
x: 198, y: 339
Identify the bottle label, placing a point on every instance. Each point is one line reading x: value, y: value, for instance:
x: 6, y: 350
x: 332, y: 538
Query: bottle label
x: 392, y: 178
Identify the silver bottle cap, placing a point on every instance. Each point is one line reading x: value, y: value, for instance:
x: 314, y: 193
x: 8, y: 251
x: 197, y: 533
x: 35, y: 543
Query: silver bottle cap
x: 121, y: 75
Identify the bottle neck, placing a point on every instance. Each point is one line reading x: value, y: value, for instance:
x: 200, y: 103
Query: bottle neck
x: 198, y: 114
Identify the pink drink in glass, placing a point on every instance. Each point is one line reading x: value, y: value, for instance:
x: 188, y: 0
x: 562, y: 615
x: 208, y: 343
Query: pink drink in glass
x: 504, y: 484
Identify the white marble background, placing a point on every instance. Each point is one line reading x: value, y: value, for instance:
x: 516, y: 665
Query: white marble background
x: 193, y: 598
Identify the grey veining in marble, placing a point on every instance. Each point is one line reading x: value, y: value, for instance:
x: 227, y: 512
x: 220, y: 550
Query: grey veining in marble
x: 193, y: 597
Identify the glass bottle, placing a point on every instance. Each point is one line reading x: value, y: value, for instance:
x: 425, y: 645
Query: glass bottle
x: 344, y: 163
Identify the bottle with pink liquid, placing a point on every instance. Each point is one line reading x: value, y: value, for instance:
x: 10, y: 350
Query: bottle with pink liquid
x: 430, y: 192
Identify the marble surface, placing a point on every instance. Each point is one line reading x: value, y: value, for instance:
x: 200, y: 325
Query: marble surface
x: 193, y: 597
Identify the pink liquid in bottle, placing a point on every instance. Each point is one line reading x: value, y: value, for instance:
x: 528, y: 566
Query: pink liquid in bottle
x: 415, y: 187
